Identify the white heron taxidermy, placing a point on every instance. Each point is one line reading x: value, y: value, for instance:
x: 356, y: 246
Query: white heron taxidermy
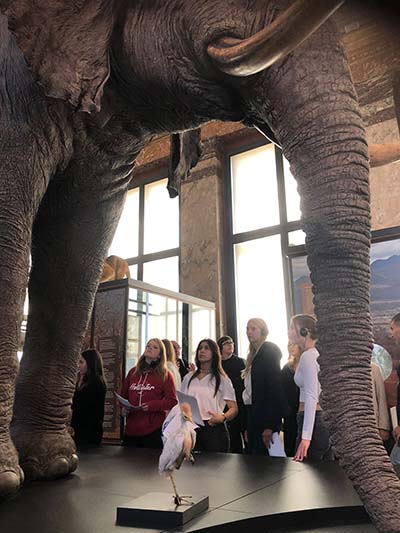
x: 179, y: 439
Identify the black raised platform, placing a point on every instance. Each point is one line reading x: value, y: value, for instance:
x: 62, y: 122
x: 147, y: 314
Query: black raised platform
x: 157, y: 509
x: 245, y: 494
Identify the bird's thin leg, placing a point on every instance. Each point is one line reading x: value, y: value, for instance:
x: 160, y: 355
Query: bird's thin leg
x: 177, y: 498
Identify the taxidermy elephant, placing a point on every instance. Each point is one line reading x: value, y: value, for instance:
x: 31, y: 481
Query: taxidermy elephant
x: 84, y: 85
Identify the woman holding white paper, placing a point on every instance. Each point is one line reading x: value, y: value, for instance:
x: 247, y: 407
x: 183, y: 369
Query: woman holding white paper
x: 213, y: 391
x: 312, y: 433
x: 150, y: 389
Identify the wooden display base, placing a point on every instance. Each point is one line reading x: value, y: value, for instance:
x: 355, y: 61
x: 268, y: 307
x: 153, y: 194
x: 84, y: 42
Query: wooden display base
x: 157, y: 509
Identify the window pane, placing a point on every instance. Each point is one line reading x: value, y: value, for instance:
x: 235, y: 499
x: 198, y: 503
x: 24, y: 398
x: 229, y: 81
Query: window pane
x: 133, y: 271
x: 126, y: 238
x: 385, y: 303
x: 260, y: 290
x: 163, y: 273
x: 302, y: 286
x: 201, y: 326
x: 254, y: 189
x: 292, y: 196
x: 161, y: 218
x: 385, y: 299
x: 297, y: 237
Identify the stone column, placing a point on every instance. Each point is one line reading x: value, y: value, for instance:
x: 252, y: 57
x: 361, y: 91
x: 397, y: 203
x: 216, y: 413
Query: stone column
x: 202, y: 232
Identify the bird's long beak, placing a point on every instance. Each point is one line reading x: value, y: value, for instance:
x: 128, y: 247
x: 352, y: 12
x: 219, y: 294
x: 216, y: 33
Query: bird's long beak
x: 186, y: 412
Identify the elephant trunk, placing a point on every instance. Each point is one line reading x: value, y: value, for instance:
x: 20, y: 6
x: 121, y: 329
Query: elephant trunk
x: 313, y: 111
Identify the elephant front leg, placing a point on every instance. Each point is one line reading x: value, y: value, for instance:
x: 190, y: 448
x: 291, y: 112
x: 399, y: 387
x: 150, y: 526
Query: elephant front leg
x: 20, y: 195
x: 13, y: 274
x: 71, y: 236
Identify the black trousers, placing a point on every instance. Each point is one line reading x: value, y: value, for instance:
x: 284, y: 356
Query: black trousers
x: 152, y: 440
x: 290, y: 434
x: 212, y: 438
x: 235, y: 435
x: 320, y: 449
x: 255, y: 444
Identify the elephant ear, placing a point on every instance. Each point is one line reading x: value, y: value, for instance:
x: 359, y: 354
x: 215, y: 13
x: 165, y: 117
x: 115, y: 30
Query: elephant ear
x: 66, y: 44
x: 185, y: 153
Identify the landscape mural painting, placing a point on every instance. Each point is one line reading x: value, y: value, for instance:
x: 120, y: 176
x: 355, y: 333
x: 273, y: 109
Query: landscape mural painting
x: 385, y: 299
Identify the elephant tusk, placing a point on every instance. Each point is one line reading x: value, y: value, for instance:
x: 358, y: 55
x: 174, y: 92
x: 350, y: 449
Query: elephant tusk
x: 383, y: 154
x: 239, y: 57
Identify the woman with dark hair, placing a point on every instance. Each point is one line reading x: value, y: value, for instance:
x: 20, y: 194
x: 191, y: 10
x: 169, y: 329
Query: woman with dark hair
x: 213, y: 390
x: 150, y: 389
x: 233, y: 366
x: 88, y: 401
x: 312, y: 433
x: 263, y: 394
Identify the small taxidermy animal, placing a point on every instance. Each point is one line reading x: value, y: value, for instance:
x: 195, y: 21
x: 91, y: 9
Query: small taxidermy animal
x: 114, y: 268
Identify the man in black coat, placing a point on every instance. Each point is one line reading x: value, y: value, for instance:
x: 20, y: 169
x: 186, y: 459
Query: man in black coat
x: 233, y: 366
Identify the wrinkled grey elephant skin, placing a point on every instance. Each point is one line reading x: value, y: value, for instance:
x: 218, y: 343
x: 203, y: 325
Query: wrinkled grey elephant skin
x: 83, y: 87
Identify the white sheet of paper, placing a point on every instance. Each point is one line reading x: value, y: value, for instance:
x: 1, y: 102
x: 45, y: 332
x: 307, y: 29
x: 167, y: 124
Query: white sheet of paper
x: 393, y: 416
x: 191, y: 400
x: 125, y: 402
x: 276, y: 448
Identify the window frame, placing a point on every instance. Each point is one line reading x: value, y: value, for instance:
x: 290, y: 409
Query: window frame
x: 140, y: 182
x: 283, y: 229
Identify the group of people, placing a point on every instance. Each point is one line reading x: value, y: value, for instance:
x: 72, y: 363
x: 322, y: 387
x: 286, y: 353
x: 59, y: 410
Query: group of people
x: 243, y: 404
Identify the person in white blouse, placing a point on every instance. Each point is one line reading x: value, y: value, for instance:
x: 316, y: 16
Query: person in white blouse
x: 214, y: 391
x: 312, y: 434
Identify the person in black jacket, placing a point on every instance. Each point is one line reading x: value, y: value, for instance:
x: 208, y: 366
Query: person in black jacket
x: 183, y: 365
x: 88, y: 401
x: 263, y: 394
x: 234, y: 366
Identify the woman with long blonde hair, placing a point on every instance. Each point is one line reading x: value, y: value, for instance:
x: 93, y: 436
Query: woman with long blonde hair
x: 150, y: 389
x: 263, y: 394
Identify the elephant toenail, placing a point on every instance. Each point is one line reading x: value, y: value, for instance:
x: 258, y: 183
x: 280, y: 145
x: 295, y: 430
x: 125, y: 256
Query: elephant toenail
x: 59, y: 468
x: 74, y: 462
x: 9, y: 483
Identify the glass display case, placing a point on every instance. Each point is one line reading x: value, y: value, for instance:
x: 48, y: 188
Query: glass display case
x: 126, y: 314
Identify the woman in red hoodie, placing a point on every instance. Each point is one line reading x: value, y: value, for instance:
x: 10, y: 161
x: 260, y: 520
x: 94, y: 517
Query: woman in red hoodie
x: 150, y: 389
